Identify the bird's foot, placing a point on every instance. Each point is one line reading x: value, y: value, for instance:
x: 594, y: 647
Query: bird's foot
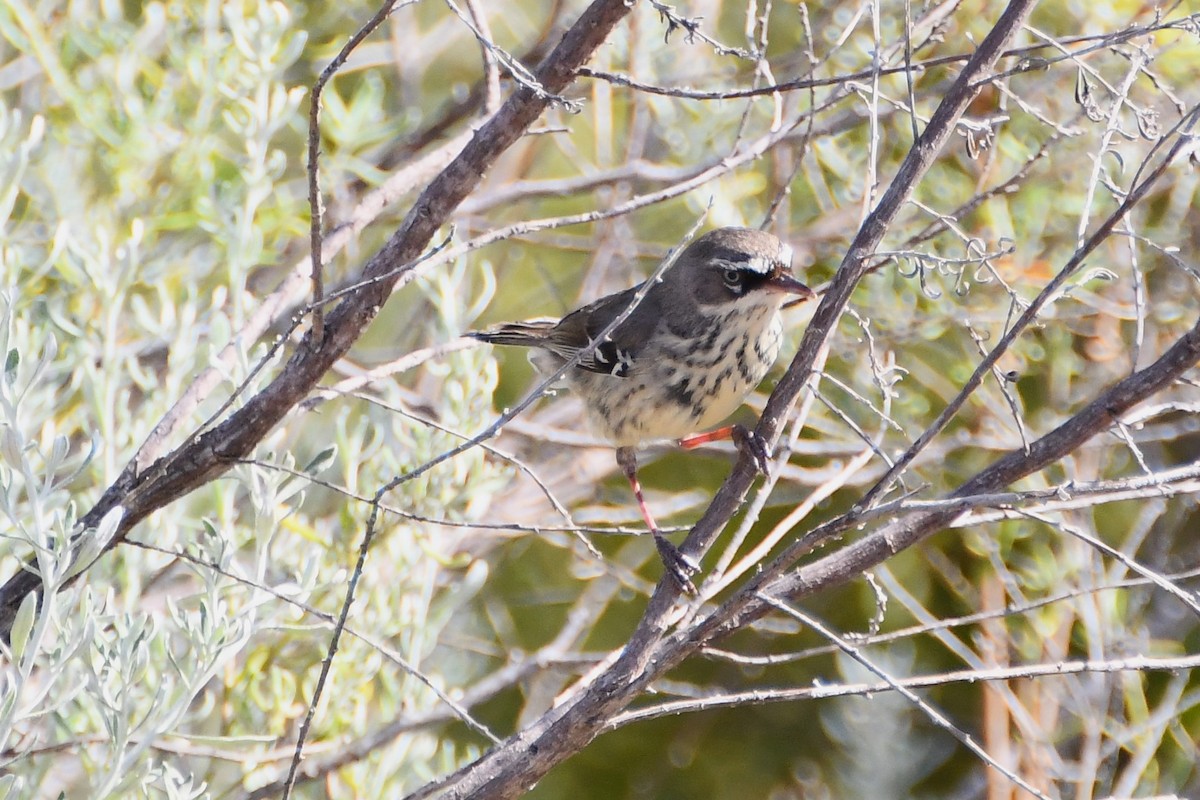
x: 678, y: 566
x: 754, y: 446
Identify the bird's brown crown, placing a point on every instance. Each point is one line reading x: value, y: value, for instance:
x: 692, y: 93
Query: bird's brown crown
x: 729, y: 264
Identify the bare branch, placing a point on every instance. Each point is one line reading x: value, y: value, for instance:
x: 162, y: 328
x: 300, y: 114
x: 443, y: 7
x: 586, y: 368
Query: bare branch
x: 315, y: 205
x: 970, y: 676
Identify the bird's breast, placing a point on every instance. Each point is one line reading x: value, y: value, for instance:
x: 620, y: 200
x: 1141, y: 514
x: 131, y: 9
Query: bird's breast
x: 685, y: 382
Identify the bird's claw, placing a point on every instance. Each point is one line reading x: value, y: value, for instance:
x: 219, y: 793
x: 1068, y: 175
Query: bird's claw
x: 678, y: 566
x: 754, y: 446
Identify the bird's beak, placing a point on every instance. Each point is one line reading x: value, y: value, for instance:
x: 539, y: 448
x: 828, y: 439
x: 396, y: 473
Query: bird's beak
x: 785, y: 283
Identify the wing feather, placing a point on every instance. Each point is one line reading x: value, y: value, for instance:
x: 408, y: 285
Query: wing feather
x: 619, y: 354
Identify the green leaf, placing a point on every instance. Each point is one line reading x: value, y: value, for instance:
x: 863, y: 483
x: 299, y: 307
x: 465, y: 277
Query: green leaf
x: 322, y: 460
x: 10, y: 366
x: 23, y: 624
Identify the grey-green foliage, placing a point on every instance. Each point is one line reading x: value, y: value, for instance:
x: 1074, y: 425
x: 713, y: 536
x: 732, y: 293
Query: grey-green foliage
x: 157, y: 165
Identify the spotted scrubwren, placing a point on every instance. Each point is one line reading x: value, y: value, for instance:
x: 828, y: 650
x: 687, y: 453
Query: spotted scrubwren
x: 684, y: 359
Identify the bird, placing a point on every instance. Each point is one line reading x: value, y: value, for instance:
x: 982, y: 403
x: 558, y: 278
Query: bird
x: 696, y: 342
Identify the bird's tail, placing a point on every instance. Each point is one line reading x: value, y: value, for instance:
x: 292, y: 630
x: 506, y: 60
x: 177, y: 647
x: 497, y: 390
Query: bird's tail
x: 521, y: 334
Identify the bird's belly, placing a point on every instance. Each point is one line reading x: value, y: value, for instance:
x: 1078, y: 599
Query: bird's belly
x: 682, y: 390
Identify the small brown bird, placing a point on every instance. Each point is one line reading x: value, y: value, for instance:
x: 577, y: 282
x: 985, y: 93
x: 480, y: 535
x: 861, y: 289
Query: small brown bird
x: 686, y: 357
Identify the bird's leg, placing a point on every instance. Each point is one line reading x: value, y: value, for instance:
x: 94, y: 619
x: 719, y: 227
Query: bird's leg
x: 679, y: 567
x: 743, y: 438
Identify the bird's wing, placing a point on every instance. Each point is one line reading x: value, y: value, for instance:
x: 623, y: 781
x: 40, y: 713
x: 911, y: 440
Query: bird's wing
x: 531, y: 333
x: 619, y: 353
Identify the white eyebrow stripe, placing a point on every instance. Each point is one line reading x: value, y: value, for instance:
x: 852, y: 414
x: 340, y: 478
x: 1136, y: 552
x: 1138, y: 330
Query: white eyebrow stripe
x: 758, y: 265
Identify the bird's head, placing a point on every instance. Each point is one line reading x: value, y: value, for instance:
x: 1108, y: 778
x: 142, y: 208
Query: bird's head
x: 738, y: 266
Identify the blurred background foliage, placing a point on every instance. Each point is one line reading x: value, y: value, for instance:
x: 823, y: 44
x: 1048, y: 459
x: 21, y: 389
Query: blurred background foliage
x: 153, y: 196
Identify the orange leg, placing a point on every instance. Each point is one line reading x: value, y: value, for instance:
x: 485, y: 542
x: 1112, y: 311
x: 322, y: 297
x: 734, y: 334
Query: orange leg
x: 697, y: 439
x: 627, y: 460
x: 678, y: 566
x: 745, y: 439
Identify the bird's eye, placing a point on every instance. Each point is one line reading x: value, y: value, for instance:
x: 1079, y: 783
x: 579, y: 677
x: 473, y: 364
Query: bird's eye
x: 732, y: 278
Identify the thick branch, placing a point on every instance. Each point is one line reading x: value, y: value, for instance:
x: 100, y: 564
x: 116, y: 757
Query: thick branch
x: 210, y: 454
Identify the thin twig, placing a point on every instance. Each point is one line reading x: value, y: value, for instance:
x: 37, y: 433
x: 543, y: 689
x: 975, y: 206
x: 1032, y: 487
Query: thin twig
x: 826, y: 691
x: 315, y: 206
x: 1048, y: 293
x: 939, y: 719
x: 1028, y: 62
